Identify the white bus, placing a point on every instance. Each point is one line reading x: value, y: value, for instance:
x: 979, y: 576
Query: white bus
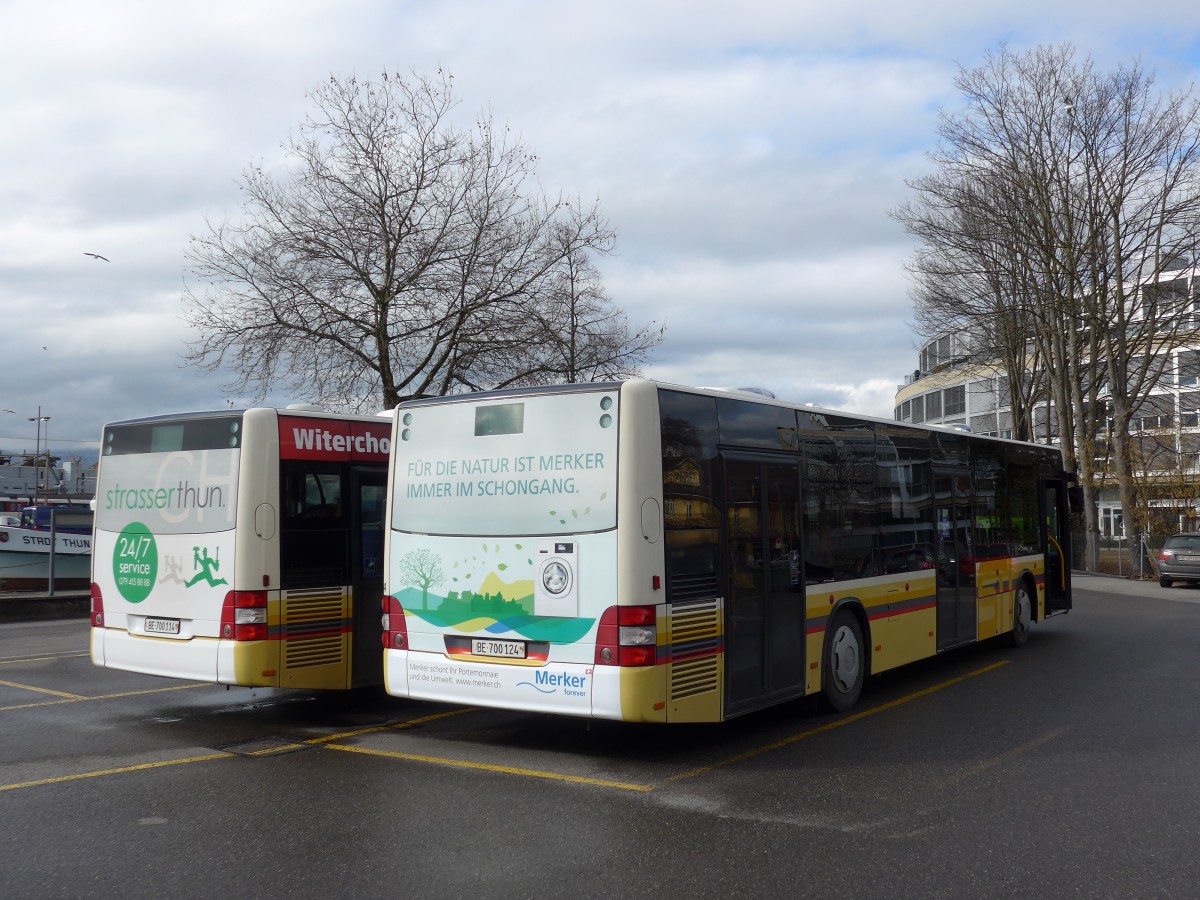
x: 242, y: 547
x: 654, y: 553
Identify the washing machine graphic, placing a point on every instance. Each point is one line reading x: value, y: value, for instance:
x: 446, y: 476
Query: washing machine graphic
x: 556, y: 579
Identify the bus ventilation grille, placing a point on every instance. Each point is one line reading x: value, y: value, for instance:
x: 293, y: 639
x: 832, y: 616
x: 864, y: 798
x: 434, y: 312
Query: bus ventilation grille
x: 692, y: 587
x: 313, y: 626
x: 697, y: 676
x: 695, y: 642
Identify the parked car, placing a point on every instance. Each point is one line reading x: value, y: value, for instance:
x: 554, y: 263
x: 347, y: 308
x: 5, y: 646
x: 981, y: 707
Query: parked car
x: 1179, y: 559
x: 909, y: 559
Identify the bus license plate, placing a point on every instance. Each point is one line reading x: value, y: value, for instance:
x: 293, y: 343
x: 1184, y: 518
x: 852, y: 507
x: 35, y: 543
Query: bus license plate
x: 162, y: 626
x: 506, y: 649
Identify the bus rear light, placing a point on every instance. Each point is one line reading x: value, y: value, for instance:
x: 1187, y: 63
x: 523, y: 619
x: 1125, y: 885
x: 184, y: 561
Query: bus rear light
x: 395, y: 629
x: 637, y: 656
x: 637, y: 615
x: 97, y: 606
x: 244, y: 616
x: 627, y: 636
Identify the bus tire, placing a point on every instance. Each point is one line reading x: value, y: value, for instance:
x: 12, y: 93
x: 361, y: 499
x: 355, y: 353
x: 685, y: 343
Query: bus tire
x: 844, y: 666
x: 1022, y: 614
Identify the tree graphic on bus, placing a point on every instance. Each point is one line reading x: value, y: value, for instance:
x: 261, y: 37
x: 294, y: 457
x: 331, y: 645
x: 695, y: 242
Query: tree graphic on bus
x: 424, y: 569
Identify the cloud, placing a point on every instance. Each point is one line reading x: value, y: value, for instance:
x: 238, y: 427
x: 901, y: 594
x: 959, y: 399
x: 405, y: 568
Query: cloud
x: 747, y: 155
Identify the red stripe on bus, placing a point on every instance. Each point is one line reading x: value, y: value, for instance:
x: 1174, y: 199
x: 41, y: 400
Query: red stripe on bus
x: 323, y: 632
x: 695, y: 654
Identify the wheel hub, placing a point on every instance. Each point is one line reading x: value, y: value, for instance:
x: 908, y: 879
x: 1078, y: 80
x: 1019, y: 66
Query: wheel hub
x: 845, y: 658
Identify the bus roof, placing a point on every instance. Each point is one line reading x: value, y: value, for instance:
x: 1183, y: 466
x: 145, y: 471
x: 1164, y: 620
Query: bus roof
x: 752, y: 395
x: 297, y: 410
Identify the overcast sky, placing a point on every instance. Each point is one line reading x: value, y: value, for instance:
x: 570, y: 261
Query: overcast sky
x: 747, y: 154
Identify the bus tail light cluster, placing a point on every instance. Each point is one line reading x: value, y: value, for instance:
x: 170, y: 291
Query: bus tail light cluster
x: 244, y: 616
x: 627, y: 636
x: 395, y: 629
x: 97, y: 606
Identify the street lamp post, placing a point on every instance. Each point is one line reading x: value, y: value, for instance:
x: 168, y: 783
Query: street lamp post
x: 37, y: 455
x: 46, y: 480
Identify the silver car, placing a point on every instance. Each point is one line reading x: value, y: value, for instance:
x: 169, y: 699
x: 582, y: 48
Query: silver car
x: 1179, y: 559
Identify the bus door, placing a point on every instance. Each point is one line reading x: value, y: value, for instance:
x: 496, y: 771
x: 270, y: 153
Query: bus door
x: 764, y: 614
x: 955, y: 570
x: 1056, y: 544
x: 368, y: 489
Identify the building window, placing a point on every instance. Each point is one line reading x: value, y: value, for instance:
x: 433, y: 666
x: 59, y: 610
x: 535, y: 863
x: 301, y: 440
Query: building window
x: 1188, y: 367
x: 983, y: 396
x: 954, y: 401
x: 933, y: 406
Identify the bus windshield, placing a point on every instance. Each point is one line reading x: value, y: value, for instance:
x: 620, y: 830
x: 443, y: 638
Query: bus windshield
x: 176, y: 476
x: 460, y: 467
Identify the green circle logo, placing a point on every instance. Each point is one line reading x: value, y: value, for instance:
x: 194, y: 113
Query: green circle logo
x: 135, y: 562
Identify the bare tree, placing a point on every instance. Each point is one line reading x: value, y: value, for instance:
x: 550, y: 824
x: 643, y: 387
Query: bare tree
x: 395, y: 255
x: 1091, y: 188
x: 582, y: 336
x: 968, y: 277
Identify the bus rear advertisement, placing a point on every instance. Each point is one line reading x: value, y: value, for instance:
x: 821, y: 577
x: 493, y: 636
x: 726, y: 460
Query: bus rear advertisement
x: 241, y: 547
x: 508, y: 512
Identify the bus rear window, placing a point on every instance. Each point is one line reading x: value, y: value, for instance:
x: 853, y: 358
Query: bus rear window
x: 546, y: 464
x: 506, y: 419
x: 216, y: 433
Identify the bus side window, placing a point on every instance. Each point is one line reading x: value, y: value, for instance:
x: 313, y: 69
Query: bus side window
x: 314, y: 533
x: 313, y: 495
x: 691, y: 507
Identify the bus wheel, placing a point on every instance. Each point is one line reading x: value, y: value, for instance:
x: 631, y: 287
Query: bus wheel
x: 1022, y: 615
x: 844, y: 669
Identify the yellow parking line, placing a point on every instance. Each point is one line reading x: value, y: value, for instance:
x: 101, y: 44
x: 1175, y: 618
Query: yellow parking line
x: 830, y: 726
x: 75, y: 698
x: 1003, y: 758
x: 17, y: 660
x: 485, y: 767
x: 161, y: 690
x: 38, y: 690
x: 138, y: 768
x: 375, y: 729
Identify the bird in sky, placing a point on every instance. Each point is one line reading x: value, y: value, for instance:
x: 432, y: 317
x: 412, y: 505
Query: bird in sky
x: 96, y: 256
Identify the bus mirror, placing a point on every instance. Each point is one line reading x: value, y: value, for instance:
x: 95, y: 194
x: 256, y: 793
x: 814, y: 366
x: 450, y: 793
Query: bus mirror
x: 1075, y: 498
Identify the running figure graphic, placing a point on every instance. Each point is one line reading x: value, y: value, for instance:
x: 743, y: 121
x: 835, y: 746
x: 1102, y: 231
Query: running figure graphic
x: 207, y: 566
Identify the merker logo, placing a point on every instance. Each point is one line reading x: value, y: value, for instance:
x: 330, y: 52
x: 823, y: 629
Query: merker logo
x: 551, y: 682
